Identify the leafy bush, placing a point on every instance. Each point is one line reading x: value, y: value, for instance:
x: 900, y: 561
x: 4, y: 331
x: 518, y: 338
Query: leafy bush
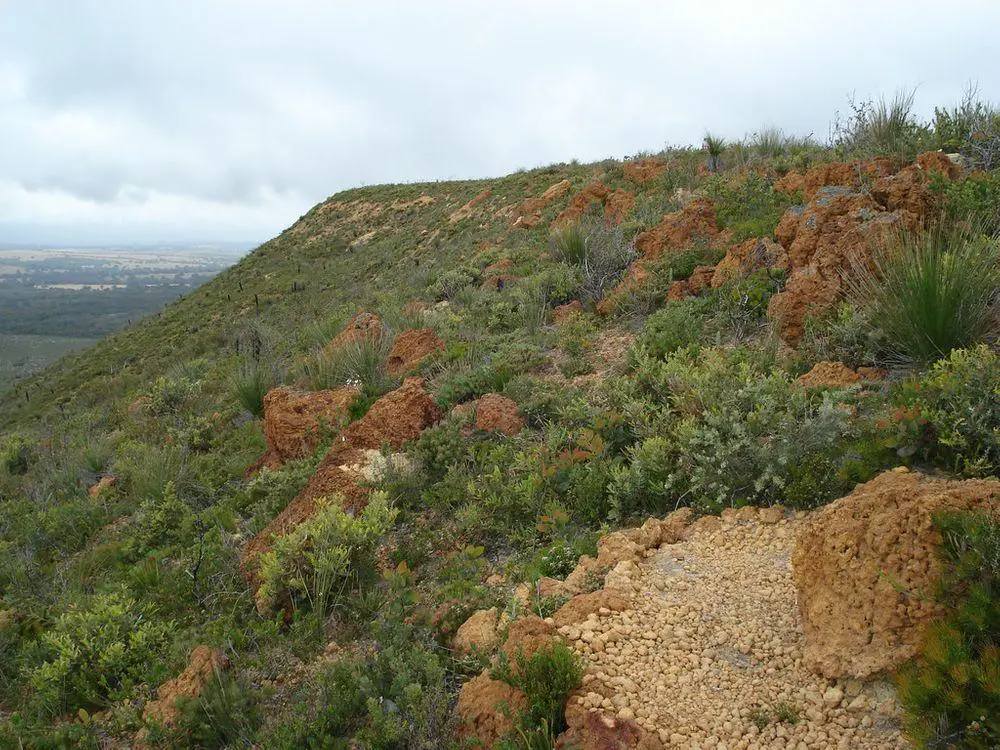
x: 679, y: 323
x: 929, y: 293
x: 546, y: 679
x: 957, y: 406
x: 159, y: 522
x: 168, y: 395
x: 842, y: 335
x: 17, y: 455
x: 975, y: 200
x: 740, y: 305
x: 951, y: 692
x: 95, y: 655
x: 972, y: 129
x: 330, y: 553
x: 450, y: 282
x: 750, y: 206
x: 558, y: 560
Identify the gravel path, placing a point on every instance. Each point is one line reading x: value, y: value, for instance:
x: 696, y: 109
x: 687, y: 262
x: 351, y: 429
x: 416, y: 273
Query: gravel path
x: 710, y: 653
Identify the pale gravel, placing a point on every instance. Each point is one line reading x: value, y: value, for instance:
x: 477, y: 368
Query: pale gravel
x: 712, y: 636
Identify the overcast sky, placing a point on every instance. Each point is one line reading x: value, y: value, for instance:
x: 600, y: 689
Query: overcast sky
x: 147, y: 120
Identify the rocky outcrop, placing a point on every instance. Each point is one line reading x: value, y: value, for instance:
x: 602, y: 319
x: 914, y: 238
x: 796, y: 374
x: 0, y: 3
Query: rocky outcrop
x: 411, y: 348
x: 496, y: 413
x: 866, y: 567
x: 529, y: 212
x: 562, y: 312
x: 393, y: 420
x: 642, y: 171
x: 481, y: 631
x: 469, y: 208
x: 841, y: 226
x: 485, y: 707
x: 747, y: 258
x: 363, y: 325
x: 695, y: 223
x: 829, y: 375
x: 294, y: 420
x: 203, y: 664
x: 616, y: 204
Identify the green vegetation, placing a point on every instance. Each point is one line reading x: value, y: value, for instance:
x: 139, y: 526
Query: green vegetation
x: 952, y: 691
x: 929, y: 293
x: 660, y: 403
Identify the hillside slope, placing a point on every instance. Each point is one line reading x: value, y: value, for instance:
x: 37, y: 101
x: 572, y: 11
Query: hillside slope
x: 283, y: 498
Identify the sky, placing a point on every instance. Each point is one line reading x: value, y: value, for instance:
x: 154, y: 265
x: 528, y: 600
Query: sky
x: 151, y: 121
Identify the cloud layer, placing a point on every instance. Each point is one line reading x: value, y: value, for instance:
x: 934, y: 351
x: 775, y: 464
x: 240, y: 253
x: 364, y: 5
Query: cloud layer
x: 146, y: 121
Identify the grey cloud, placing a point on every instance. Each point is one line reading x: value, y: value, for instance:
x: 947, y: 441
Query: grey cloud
x: 252, y: 111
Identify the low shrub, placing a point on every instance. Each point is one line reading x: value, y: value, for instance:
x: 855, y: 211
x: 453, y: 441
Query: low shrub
x: 330, y: 554
x: 951, y: 692
x: 17, y: 455
x: 972, y: 129
x: 749, y: 207
x: 546, y: 678
x: 362, y: 362
x: 881, y: 127
x: 926, y: 294
x: 224, y: 715
x: 159, y: 522
x: 679, y: 323
x: 974, y: 200
x: 97, y: 654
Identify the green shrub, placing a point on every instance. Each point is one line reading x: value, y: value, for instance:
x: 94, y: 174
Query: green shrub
x: 329, y: 554
x: 715, y: 146
x: 17, y: 455
x: 679, y: 323
x: 975, y: 200
x: 224, y: 715
x: 558, y: 560
x: 168, y: 395
x: 250, y: 383
x: 160, y: 521
x: 842, y: 335
x: 266, y: 494
x: 957, y: 404
x: 546, y: 679
x: 951, y: 692
x: 740, y: 305
x: 750, y: 207
x: 452, y: 281
x: 602, y: 252
x: 971, y: 129
x: 98, y: 654
x: 929, y: 293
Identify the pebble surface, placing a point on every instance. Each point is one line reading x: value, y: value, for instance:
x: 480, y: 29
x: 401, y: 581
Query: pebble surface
x: 709, y: 655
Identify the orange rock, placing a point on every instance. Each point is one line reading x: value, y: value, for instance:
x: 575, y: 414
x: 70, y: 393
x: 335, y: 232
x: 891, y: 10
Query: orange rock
x: 202, y: 666
x: 393, y: 420
x: 579, y: 607
x: 411, y: 348
x: 695, y: 223
x: 528, y: 213
x: 829, y: 375
x: 617, y: 206
x: 528, y: 635
x: 106, y: 482
x: 469, y: 208
x: 748, y: 257
x: 790, y: 183
x: 562, y: 312
x: 484, y: 709
x: 847, y: 175
x: 643, y: 170
x: 866, y: 567
x: 496, y: 413
x: 480, y: 631
x: 293, y: 419
x: 595, y: 192
x: 362, y: 325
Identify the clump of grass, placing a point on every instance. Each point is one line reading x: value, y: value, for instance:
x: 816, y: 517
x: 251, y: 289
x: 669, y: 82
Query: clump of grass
x: 928, y: 293
x: 362, y: 362
x: 769, y: 142
x: 880, y: 127
x: 251, y: 382
x: 568, y: 243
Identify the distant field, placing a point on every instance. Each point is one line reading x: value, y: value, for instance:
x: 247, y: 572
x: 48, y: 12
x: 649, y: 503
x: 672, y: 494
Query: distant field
x: 23, y: 354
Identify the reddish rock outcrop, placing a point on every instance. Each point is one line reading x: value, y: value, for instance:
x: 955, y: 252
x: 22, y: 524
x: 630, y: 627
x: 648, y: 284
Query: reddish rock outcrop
x: 847, y: 175
x: 866, y: 567
x: 680, y: 230
x: 469, y: 208
x: 411, y: 348
x: 747, y: 258
x: 527, y: 636
x: 496, y: 413
x: 596, y: 730
x: 203, y: 664
x: 580, y: 606
x: 485, y: 707
x: 617, y: 204
x: 393, y: 420
x: 102, y: 485
x: 643, y: 170
x: 364, y: 325
x: 480, y: 631
x: 792, y: 182
x: 562, y: 312
x: 293, y: 420
x: 829, y: 375
x: 529, y: 212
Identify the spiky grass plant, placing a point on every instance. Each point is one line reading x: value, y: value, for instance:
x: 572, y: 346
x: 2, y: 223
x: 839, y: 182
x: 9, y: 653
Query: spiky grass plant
x: 568, y: 242
x: 251, y: 382
x: 714, y: 145
x: 881, y: 127
x: 769, y: 142
x: 929, y: 292
x: 362, y: 362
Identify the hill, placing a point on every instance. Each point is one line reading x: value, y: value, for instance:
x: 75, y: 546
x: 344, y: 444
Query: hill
x: 412, y: 460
